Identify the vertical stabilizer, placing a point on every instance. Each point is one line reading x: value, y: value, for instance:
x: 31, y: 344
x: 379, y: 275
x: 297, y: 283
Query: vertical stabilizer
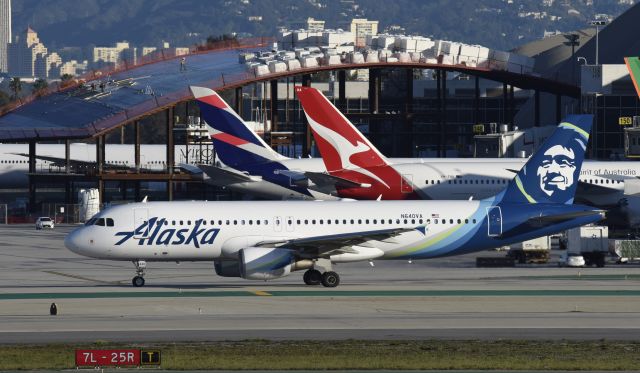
x: 235, y: 143
x: 551, y: 174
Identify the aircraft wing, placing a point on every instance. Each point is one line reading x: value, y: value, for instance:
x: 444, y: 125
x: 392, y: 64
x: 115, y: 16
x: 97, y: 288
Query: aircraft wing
x: 544, y: 221
x: 78, y: 163
x: 57, y: 160
x: 224, y: 176
x: 320, y: 180
x: 320, y: 246
x: 594, y: 188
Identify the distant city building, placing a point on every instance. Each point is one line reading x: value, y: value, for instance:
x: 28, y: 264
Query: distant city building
x: 73, y: 68
x: 23, y: 53
x: 5, y: 33
x: 314, y: 24
x: 47, y: 66
x: 115, y: 55
x: 148, y: 50
x: 361, y: 27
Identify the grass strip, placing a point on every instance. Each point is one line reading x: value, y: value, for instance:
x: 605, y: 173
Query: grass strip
x: 353, y: 354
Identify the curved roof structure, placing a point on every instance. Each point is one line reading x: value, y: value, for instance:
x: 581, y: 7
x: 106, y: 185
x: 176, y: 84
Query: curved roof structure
x: 88, y: 111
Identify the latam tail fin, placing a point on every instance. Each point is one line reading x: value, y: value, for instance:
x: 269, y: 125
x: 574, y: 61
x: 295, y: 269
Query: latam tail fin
x: 342, y: 146
x: 633, y: 65
x: 235, y: 143
x: 551, y: 174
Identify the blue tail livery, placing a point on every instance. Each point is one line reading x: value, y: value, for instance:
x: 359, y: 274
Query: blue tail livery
x: 551, y: 174
x: 235, y: 143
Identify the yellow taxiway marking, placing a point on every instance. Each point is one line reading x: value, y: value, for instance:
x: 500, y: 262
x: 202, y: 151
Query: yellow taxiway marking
x: 261, y: 293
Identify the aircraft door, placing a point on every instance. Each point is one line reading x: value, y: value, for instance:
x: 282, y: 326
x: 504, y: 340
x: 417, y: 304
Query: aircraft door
x: 277, y: 223
x: 140, y: 217
x: 406, y: 183
x: 494, y: 221
x: 289, y: 224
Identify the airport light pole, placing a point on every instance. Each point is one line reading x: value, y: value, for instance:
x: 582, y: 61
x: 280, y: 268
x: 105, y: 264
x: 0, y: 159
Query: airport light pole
x: 597, y: 24
x: 572, y: 40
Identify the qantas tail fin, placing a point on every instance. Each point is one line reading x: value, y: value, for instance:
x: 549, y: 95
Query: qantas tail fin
x: 342, y: 146
x: 551, y: 174
x: 633, y: 65
x: 235, y: 143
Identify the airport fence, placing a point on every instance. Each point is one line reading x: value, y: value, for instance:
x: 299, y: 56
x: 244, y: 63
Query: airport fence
x: 62, y: 213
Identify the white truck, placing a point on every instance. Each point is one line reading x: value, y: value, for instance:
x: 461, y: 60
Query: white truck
x: 531, y: 251
x: 591, y: 242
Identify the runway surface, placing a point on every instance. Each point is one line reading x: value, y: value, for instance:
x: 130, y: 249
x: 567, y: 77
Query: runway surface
x: 442, y: 298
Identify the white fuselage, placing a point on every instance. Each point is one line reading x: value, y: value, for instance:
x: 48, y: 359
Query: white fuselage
x: 226, y: 227
x: 478, y: 178
x: 14, y: 166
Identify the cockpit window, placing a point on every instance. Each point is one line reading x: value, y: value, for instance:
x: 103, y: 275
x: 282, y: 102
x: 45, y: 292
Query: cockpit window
x: 90, y: 222
x: 100, y: 222
x: 109, y: 222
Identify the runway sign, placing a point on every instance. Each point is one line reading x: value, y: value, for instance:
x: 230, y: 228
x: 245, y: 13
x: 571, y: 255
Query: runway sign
x: 149, y: 357
x: 103, y: 358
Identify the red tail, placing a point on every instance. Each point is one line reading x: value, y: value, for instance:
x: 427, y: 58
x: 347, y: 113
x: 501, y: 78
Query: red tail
x: 348, y: 154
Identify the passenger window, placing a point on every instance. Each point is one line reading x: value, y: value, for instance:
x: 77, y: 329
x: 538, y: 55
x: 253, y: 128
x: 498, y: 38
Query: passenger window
x: 359, y: 221
x: 413, y: 221
x: 337, y: 221
x: 375, y: 221
x: 181, y: 222
x: 435, y: 221
x: 420, y: 221
x: 235, y: 222
x: 344, y: 221
x: 321, y: 221
x: 298, y: 221
x: 188, y: 222
x: 466, y: 221
x: 474, y: 221
x: 242, y: 222
x: 290, y: 222
x: 306, y: 221
x: 257, y: 221
x: 450, y: 221
x: 459, y: 221
x: 266, y: 222
x: 219, y: 222
x: 352, y: 221
x: 366, y: 221
x: 251, y: 222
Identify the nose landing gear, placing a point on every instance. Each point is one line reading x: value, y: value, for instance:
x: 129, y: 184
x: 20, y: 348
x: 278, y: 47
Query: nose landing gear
x: 138, y: 280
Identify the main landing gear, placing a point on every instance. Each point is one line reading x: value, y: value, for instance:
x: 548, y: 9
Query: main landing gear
x: 138, y: 280
x: 327, y: 278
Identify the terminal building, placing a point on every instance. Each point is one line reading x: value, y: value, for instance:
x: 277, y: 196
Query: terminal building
x: 421, y: 98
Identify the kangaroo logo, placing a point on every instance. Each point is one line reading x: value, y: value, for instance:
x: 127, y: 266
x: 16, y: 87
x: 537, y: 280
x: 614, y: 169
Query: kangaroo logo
x: 557, y: 170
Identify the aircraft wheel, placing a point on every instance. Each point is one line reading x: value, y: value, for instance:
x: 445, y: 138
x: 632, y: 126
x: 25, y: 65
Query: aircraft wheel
x: 312, y: 277
x: 138, y: 281
x: 330, y: 279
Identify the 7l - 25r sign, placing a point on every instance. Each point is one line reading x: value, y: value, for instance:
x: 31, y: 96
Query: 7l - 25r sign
x: 103, y: 358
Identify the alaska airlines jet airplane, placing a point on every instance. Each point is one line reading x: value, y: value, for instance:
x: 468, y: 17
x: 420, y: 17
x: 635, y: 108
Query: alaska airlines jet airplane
x: 266, y: 240
x: 350, y: 156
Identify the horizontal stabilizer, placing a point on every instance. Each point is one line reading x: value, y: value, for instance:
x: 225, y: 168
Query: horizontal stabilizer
x: 549, y: 220
x: 221, y: 176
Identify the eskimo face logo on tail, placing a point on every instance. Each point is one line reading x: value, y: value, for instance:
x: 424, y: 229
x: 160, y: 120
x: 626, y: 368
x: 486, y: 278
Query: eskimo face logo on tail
x: 557, y: 170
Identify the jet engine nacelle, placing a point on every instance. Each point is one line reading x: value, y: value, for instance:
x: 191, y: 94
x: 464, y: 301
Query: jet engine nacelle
x: 258, y: 263
x: 227, y: 268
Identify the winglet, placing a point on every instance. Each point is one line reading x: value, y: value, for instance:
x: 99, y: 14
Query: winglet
x: 633, y: 65
x: 422, y: 229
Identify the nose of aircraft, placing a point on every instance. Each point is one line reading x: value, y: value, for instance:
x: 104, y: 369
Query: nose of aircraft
x: 71, y: 242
